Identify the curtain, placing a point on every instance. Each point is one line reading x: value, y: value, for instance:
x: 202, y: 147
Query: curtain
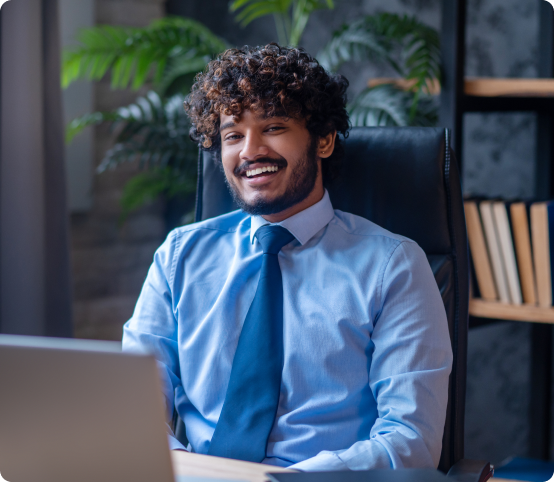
x: 35, y: 285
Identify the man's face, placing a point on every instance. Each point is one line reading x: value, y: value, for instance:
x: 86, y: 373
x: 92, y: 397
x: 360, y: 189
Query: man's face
x: 270, y: 163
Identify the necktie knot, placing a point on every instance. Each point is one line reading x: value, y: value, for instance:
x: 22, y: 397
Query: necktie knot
x: 273, y: 238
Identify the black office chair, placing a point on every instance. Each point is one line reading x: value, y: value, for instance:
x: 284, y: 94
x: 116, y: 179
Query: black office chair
x: 406, y: 180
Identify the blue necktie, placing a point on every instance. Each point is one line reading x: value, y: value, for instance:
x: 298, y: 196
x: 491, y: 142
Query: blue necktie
x: 252, y: 396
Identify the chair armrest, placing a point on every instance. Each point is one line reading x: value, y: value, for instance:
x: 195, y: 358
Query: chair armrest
x: 467, y: 470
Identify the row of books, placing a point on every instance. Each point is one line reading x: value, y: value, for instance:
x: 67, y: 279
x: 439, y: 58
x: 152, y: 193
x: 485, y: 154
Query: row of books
x: 512, y: 249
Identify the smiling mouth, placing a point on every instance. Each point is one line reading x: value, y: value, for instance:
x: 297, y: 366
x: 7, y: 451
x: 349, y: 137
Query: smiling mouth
x: 261, y: 171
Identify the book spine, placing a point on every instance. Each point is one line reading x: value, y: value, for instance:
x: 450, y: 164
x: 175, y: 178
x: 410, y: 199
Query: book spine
x: 519, y: 223
x: 550, y: 214
x: 479, y: 254
x: 494, y: 251
x: 541, y: 253
x: 507, y: 251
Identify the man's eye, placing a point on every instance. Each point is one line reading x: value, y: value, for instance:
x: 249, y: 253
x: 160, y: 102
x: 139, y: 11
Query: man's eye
x: 233, y: 137
x: 275, y: 128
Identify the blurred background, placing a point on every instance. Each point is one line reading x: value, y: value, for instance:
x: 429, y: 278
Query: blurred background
x: 127, y: 176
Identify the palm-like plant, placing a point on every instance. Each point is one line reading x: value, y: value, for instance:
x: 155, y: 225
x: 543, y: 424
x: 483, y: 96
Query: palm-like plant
x: 154, y: 129
x: 410, y: 47
x: 151, y: 130
x: 291, y: 16
x: 387, y: 105
x: 169, y: 52
x: 154, y: 132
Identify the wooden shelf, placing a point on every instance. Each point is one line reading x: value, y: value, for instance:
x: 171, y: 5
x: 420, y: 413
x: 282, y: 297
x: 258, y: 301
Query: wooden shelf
x: 505, y: 311
x: 494, y: 87
x: 482, y: 86
x: 475, y: 103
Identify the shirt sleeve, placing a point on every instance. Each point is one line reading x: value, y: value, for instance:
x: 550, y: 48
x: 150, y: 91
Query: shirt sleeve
x: 153, y: 326
x: 408, y: 376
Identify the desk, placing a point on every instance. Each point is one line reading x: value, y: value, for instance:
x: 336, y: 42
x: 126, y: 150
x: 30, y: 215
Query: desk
x: 185, y: 463
x: 494, y: 479
x: 198, y: 465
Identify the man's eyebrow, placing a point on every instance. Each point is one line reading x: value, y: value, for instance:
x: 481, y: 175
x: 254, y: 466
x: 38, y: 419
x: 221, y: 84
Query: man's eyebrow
x: 227, y: 125
x: 222, y: 127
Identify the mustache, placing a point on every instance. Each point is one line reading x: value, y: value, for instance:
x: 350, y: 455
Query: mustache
x: 280, y: 162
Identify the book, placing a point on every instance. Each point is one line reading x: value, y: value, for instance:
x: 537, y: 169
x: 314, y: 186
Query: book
x: 524, y: 254
x: 507, y: 252
x: 542, y: 225
x: 479, y: 252
x: 493, y: 245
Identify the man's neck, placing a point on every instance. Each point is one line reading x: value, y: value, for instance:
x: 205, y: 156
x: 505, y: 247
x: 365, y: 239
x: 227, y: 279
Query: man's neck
x: 314, y: 197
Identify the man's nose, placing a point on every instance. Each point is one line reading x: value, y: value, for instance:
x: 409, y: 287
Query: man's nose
x: 253, y: 148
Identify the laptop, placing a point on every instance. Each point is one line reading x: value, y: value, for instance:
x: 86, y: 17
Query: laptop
x: 78, y: 410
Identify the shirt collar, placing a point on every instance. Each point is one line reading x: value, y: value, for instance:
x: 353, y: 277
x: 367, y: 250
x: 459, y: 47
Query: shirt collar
x: 303, y: 225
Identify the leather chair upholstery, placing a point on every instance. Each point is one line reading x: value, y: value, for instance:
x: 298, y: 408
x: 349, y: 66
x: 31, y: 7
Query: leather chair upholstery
x: 405, y: 180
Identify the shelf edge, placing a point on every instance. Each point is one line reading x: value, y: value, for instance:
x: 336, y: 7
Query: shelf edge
x: 503, y: 311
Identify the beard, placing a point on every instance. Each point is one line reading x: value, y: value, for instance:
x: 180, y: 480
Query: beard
x: 301, y: 184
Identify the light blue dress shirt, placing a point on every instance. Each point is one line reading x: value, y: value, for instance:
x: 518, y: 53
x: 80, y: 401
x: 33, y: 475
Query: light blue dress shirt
x: 366, y: 344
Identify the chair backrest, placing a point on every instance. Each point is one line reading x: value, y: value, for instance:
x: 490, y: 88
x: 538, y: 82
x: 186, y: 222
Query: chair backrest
x: 406, y: 180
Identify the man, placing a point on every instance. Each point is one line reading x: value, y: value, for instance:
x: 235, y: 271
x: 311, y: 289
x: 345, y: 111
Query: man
x: 289, y: 333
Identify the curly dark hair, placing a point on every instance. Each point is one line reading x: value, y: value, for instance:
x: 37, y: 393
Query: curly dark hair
x: 279, y: 81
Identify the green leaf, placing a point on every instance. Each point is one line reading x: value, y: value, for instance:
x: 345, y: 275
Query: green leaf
x: 147, y: 186
x: 410, y: 47
x: 379, y: 106
x: 256, y: 10
x: 152, y: 130
x: 291, y: 16
x: 143, y: 67
x: 355, y: 42
x: 181, y: 68
x: 131, y: 54
x: 77, y: 125
x: 385, y: 105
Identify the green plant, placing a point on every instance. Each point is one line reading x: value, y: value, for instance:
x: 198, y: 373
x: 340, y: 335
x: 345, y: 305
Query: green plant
x: 148, y: 185
x: 154, y: 129
x: 410, y: 47
x: 386, y: 105
x: 154, y: 132
x: 291, y: 16
x: 168, y: 52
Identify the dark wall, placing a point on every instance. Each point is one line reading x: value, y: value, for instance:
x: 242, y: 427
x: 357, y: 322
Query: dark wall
x: 499, y: 160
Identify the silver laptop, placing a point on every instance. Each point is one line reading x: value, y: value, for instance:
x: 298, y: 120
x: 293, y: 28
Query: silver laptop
x: 80, y: 411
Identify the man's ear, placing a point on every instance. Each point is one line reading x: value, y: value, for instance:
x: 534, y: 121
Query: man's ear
x: 326, y: 145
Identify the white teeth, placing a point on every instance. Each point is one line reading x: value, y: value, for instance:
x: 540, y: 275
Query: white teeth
x: 259, y: 170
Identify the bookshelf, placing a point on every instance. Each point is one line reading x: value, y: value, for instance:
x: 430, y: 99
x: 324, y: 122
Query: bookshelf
x: 503, y: 311
x: 460, y: 95
x: 482, y: 86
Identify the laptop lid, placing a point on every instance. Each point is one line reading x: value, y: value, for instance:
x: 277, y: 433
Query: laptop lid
x: 77, y: 410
